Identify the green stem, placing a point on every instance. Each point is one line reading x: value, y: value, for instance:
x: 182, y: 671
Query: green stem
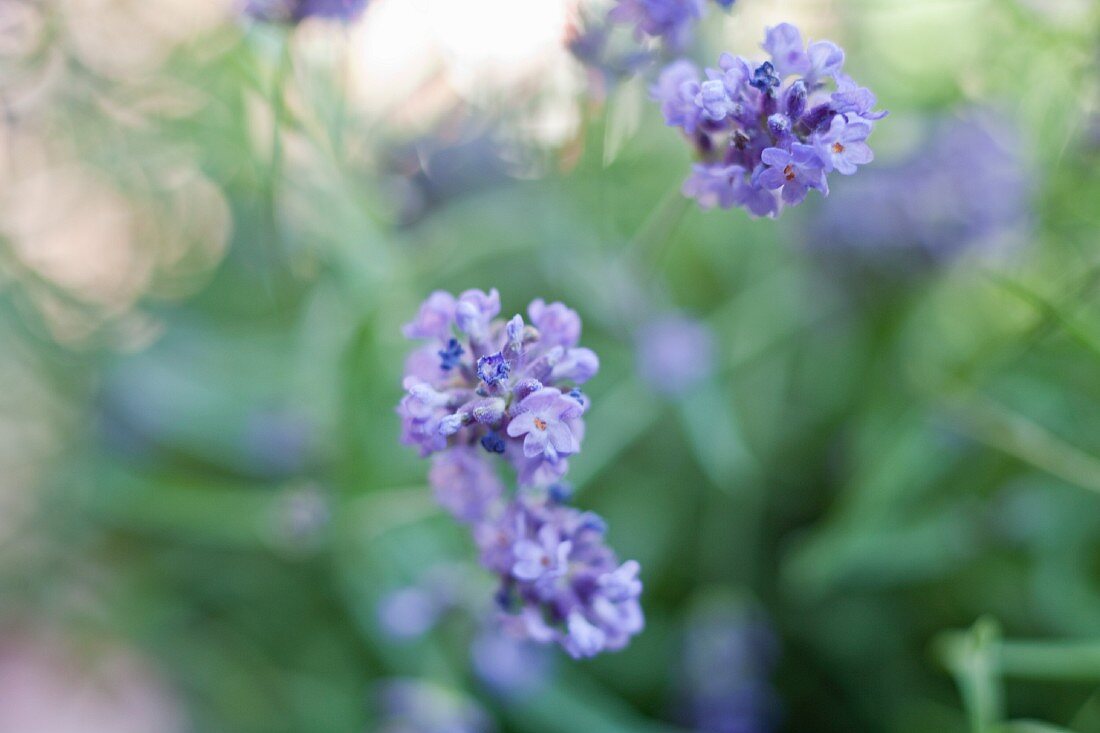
x: 998, y: 427
x: 973, y: 658
x: 650, y: 243
x: 1051, y: 313
x: 1066, y: 661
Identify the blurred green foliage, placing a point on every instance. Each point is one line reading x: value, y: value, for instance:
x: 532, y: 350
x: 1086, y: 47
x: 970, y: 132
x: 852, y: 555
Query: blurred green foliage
x: 878, y: 460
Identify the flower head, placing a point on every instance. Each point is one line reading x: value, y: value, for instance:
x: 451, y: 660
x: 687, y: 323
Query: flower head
x: 519, y: 400
x: 767, y: 133
x: 670, y: 20
x: 674, y: 353
x: 481, y: 381
x: 794, y: 172
x: 965, y: 186
x: 677, y: 90
x: 564, y: 584
x: 543, y: 419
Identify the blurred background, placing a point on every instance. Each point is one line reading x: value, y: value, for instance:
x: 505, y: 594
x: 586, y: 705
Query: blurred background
x: 856, y: 450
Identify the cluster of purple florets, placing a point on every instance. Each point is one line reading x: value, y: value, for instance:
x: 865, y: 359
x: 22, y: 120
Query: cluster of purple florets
x: 657, y: 25
x: 481, y: 389
x: 766, y: 134
x: 672, y: 21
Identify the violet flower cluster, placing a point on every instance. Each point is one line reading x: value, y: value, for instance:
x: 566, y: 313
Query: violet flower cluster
x: 481, y: 389
x: 729, y: 656
x: 964, y: 187
x: 767, y: 134
x: 657, y: 25
x: 671, y: 21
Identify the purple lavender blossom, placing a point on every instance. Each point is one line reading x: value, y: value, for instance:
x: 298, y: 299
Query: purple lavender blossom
x: 558, y: 324
x: 964, y: 186
x: 481, y: 381
x: 765, y: 134
x: 465, y: 483
x: 674, y: 353
x: 408, y: 612
x: 728, y: 656
x: 589, y: 41
x: 484, y: 387
x: 670, y: 20
x: 543, y: 420
x: 510, y: 667
x: 794, y: 172
x: 559, y: 582
x: 842, y: 147
x: 713, y: 185
x: 676, y: 89
x: 295, y: 11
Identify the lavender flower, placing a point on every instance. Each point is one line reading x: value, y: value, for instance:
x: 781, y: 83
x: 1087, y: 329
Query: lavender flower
x: 964, y: 186
x: 670, y: 20
x: 590, y: 42
x: 464, y: 482
x: 295, y: 11
x: 728, y: 656
x: 483, y: 382
x: 677, y: 89
x: 559, y: 582
x: 482, y: 387
x: 408, y: 612
x: 794, y: 172
x: 674, y: 353
x: 767, y: 133
x: 509, y: 667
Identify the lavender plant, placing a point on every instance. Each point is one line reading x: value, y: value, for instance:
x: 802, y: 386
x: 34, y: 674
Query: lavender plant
x: 767, y: 134
x: 671, y: 21
x: 657, y: 26
x: 966, y: 186
x: 480, y: 388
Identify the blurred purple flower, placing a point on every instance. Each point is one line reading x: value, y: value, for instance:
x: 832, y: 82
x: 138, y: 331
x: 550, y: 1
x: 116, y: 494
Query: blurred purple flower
x: 674, y: 353
x: 965, y: 186
x: 676, y: 89
x: 417, y: 706
x: 295, y: 11
x: 277, y: 441
x: 558, y: 325
x: 510, y: 667
x: 408, y: 612
x: 729, y: 654
x: 670, y: 20
x: 465, y: 483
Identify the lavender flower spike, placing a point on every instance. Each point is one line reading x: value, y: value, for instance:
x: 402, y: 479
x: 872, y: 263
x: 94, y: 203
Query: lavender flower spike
x: 670, y: 20
x: 565, y: 586
x: 480, y: 388
x: 767, y: 133
x: 482, y: 382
